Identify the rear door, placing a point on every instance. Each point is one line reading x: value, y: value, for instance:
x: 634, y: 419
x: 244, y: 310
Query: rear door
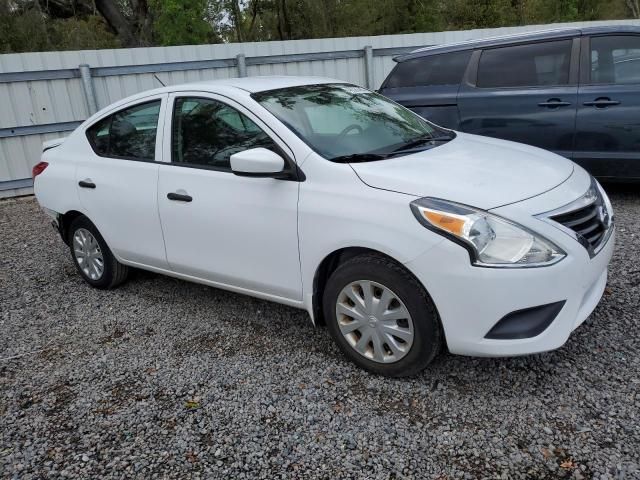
x: 525, y: 93
x: 429, y: 86
x: 117, y: 178
x: 608, y: 125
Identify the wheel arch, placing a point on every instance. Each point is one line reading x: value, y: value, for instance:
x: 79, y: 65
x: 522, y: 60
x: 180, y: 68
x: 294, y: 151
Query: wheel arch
x: 327, y: 266
x: 64, y: 222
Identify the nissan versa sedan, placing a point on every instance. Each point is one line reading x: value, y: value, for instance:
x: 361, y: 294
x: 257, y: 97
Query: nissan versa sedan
x: 401, y: 236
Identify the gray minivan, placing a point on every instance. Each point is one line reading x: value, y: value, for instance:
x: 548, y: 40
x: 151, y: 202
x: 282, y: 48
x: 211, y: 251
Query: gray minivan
x: 573, y: 91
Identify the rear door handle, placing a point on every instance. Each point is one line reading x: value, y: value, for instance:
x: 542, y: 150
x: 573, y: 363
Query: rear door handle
x: 179, y: 197
x: 86, y: 183
x: 601, y: 103
x: 554, y: 103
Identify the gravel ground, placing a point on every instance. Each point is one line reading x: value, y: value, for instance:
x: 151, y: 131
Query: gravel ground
x: 166, y: 379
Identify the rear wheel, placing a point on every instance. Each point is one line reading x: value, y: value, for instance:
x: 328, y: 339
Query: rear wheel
x: 381, y: 317
x: 92, y: 257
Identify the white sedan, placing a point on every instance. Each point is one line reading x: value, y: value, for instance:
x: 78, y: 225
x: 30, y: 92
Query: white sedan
x: 399, y: 235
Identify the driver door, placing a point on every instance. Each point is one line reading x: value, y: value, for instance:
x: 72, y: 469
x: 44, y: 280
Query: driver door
x: 232, y: 230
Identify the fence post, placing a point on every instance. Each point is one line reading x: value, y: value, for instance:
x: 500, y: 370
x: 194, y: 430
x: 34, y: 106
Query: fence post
x: 242, y: 65
x: 87, y: 86
x: 368, y: 66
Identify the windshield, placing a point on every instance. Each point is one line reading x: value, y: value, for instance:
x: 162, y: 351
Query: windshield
x: 347, y: 123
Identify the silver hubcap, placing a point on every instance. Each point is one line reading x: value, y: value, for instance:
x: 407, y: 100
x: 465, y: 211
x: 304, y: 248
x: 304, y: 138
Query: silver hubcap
x: 88, y: 254
x: 374, y: 321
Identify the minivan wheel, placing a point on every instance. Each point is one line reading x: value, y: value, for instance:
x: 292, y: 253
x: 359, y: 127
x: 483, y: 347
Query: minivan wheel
x: 92, y: 257
x: 381, y: 317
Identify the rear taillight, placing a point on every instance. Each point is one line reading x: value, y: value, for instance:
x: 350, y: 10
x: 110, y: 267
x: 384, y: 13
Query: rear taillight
x: 38, y: 169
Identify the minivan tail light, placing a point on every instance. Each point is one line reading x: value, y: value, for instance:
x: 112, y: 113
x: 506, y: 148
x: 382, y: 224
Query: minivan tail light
x: 38, y: 169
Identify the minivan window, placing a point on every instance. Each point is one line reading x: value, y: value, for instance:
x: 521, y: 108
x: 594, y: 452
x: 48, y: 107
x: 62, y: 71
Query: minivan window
x: 532, y: 65
x: 129, y: 133
x: 615, y: 59
x: 206, y: 132
x: 442, y: 69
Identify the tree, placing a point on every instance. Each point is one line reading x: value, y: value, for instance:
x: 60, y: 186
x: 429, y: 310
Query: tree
x: 28, y: 25
x: 181, y: 22
x: 130, y: 20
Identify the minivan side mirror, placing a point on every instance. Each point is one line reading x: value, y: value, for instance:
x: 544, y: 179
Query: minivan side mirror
x: 257, y: 162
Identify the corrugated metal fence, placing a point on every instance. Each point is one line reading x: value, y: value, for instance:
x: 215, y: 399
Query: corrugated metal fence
x: 43, y: 95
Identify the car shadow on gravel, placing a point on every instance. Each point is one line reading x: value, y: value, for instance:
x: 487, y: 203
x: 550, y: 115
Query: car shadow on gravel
x: 236, y: 325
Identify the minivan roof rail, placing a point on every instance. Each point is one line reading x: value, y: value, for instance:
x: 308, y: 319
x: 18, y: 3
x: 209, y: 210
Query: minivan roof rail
x: 543, y: 34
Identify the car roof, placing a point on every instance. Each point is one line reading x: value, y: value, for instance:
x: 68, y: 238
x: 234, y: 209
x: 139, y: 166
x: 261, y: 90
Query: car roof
x: 221, y: 86
x: 537, y: 35
x: 264, y: 83
x: 248, y: 84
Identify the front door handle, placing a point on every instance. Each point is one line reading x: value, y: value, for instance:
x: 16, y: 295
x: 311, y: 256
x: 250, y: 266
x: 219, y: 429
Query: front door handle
x: 179, y: 197
x: 601, y: 102
x: 554, y: 103
x: 87, y: 183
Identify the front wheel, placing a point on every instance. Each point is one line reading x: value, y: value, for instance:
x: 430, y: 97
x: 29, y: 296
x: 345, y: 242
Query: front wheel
x: 92, y: 256
x: 381, y: 317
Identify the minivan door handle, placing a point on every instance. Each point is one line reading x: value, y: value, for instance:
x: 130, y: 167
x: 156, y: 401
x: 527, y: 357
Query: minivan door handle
x: 179, y: 197
x: 87, y: 183
x: 601, y: 102
x: 554, y: 103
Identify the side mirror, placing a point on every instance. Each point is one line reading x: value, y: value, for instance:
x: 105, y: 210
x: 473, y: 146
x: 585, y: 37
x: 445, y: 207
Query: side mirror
x: 257, y: 162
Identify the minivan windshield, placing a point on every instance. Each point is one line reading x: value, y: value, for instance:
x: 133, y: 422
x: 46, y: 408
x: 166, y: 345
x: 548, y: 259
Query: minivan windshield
x: 345, y: 123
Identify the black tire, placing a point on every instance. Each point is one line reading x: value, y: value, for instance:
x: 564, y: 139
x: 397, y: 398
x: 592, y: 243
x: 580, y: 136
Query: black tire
x: 428, y: 336
x: 114, y: 272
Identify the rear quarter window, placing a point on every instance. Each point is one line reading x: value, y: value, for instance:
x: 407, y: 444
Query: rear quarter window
x: 128, y: 134
x: 442, y: 69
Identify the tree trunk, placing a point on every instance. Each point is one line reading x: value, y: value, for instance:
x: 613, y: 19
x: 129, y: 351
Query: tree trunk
x: 120, y: 24
x: 237, y: 19
x: 634, y: 6
x: 287, y: 23
x: 144, y: 21
x: 254, y: 14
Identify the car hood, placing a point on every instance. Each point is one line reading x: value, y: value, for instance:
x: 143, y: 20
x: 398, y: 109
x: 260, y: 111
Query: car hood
x: 478, y: 171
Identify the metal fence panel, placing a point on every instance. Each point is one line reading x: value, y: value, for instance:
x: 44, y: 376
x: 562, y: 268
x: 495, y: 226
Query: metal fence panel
x: 42, y: 91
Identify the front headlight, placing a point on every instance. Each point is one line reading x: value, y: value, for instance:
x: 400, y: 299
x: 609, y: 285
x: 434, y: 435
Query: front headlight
x: 492, y: 241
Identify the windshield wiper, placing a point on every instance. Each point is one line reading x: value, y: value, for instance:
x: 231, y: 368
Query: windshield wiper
x: 421, y: 141
x: 358, y: 157
x: 370, y: 157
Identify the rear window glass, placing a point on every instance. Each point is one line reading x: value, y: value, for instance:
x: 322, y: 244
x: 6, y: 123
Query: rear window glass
x: 129, y: 133
x: 615, y: 59
x: 444, y: 69
x: 533, y: 65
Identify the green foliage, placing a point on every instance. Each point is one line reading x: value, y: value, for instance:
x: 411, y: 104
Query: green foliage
x: 22, y: 33
x: 81, y: 34
x: 181, y: 22
x: 38, y: 25
x: 30, y: 30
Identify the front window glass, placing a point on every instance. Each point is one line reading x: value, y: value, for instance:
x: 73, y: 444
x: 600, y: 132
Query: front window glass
x: 342, y: 122
x: 207, y: 132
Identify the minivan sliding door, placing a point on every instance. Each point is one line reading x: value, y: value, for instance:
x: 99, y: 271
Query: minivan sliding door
x: 525, y: 93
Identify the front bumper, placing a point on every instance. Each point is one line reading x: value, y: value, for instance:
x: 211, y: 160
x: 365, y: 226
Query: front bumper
x: 471, y: 300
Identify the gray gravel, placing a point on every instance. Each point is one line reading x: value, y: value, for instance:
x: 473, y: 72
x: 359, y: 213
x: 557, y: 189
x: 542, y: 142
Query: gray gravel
x: 166, y: 379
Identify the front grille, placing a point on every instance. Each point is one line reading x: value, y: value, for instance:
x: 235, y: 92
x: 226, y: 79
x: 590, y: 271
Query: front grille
x: 589, y: 218
x: 587, y: 222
